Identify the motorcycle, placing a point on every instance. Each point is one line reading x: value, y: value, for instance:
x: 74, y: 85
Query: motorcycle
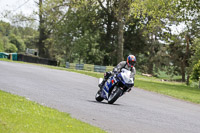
x: 115, y: 86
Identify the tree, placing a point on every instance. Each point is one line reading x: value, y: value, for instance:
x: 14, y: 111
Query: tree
x: 196, y: 71
x: 10, y: 48
x: 180, y: 52
x: 1, y: 45
x: 42, y: 32
x: 120, y: 10
x: 194, y: 60
x: 196, y: 55
x: 18, y: 42
x: 5, y: 28
x: 105, y: 31
x: 74, y: 31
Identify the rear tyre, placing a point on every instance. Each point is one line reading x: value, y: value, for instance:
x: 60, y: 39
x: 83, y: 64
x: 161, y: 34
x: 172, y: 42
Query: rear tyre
x: 115, y: 94
x: 98, y: 96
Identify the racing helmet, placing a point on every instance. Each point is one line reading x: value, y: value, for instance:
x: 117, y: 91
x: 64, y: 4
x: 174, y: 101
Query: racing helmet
x: 131, y: 60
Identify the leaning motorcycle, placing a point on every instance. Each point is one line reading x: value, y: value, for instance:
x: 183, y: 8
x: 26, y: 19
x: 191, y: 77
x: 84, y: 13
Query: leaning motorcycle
x: 115, y: 86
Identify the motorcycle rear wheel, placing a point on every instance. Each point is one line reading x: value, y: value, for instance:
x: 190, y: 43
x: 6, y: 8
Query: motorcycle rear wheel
x: 115, y: 94
x: 98, y: 96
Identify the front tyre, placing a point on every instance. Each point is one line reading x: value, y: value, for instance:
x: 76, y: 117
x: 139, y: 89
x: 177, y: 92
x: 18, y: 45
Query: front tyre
x: 98, y: 96
x: 115, y: 94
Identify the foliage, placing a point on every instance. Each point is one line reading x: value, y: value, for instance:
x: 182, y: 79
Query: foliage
x: 16, y: 39
x: 196, y: 71
x: 18, y: 42
x: 5, y: 28
x: 11, y: 48
x: 7, y: 46
x: 196, y: 55
x: 1, y: 46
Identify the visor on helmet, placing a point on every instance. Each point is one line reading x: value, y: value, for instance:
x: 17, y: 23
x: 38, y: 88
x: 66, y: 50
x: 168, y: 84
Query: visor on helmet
x: 132, y: 63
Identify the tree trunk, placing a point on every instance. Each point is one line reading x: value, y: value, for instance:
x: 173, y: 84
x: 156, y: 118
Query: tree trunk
x: 150, y: 68
x: 187, y: 57
x: 42, y: 35
x: 108, y: 38
x: 109, y: 23
x: 188, y: 79
x: 183, y: 70
x: 120, y: 34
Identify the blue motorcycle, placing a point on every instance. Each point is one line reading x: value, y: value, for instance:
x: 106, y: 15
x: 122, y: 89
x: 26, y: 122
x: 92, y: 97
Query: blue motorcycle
x: 115, y: 86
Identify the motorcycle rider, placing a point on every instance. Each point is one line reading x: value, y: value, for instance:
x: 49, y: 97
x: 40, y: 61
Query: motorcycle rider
x: 129, y: 65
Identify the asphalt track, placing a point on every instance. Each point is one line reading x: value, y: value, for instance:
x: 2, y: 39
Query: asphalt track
x: 139, y: 111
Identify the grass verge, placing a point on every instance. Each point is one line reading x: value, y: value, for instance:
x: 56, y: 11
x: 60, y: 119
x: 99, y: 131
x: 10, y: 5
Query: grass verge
x: 19, y: 115
x: 175, y: 90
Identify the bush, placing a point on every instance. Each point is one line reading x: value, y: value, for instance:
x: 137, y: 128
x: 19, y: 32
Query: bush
x: 11, y: 48
x: 18, y: 42
x: 1, y: 46
x: 196, y: 71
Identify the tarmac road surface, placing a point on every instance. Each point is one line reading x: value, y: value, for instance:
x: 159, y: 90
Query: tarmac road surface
x: 139, y: 111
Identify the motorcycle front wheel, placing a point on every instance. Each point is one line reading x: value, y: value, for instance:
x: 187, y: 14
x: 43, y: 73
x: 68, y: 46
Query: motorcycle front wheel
x: 115, y: 94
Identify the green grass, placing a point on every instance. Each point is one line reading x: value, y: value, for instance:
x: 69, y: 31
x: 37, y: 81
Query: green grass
x: 175, y: 90
x: 19, y: 115
x: 163, y: 75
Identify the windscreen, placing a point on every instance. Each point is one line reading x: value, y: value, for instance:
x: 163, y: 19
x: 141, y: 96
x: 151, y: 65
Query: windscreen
x: 127, y: 76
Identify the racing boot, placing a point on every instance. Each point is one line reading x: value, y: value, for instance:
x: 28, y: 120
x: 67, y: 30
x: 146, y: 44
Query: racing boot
x: 106, y: 76
x: 102, y: 83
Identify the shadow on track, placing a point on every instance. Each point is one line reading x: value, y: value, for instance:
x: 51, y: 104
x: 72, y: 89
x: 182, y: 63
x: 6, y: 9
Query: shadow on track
x: 104, y: 103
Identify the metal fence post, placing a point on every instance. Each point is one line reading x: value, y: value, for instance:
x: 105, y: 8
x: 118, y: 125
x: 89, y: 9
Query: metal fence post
x: 98, y: 68
x: 79, y: 66
x: 10, y: 56
x: 67, y: 65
